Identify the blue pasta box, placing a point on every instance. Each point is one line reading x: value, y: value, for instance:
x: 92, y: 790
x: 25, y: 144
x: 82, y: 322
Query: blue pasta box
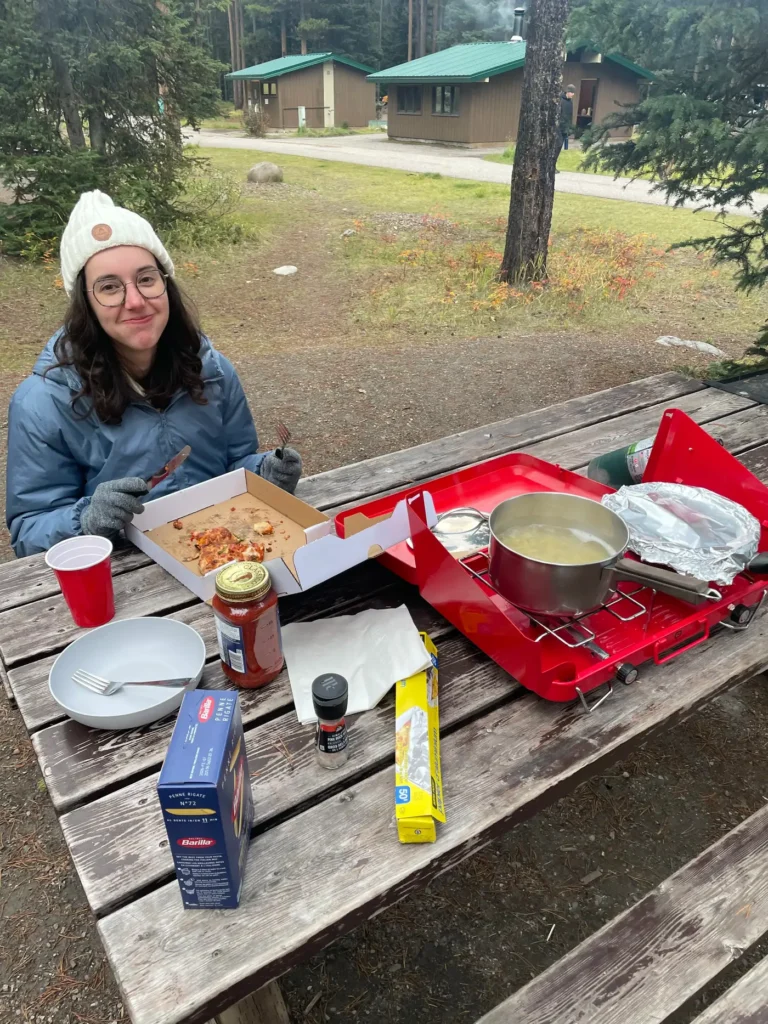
x: 205, y: 794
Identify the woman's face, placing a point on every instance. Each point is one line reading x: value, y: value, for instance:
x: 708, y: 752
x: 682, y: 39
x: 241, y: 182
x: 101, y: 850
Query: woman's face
x: 136, y: 325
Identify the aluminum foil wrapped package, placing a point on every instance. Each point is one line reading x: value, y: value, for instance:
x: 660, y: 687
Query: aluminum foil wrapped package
x: 690, y: 529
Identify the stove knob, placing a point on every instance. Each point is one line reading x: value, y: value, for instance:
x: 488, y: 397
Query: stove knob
x: 626, y: 673
x: 742, y: 614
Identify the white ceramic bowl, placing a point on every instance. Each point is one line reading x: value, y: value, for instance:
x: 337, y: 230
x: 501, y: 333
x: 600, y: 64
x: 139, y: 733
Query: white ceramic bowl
x: 129, y: 649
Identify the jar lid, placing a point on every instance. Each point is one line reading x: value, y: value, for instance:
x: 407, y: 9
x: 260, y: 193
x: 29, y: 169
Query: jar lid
x: 243, y: 581
x: 330, y: 694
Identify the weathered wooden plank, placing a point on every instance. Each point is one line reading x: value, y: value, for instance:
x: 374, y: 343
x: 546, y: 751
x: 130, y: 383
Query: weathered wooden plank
x: 284, y: 778
x: 29, y: 579
x: 266, y: 1006
x: 30, y: 681
x: 743, y: 430
x: 579, y: 446
x: 78, y: 762
x: 7, y: 688
x: 497, y: 770
x: 756, y: 461
x: 746, y: 1002
x: 31, y: 631
x: 743, y: 433
x: 389, y: 472
x: 646, y: 963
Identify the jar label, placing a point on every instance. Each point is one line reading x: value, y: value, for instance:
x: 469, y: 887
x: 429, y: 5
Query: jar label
x: 331, y: 738
x: 231, y: 647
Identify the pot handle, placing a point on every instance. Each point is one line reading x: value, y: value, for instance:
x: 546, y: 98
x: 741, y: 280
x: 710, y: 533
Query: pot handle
x: 684, y: 588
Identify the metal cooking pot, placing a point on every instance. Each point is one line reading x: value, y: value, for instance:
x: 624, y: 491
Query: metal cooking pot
x: 550, y: 588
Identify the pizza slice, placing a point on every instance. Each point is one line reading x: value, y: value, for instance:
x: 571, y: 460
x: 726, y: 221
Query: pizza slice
x: 216, y: 536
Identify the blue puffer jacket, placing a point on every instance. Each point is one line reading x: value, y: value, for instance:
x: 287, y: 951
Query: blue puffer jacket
x: 56, y: 461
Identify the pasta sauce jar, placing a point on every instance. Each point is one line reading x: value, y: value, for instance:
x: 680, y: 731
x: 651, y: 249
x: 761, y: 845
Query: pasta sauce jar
x: 247, y: 624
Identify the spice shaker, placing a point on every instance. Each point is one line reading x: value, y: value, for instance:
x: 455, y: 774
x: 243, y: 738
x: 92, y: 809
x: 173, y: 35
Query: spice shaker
x: 330, y: 694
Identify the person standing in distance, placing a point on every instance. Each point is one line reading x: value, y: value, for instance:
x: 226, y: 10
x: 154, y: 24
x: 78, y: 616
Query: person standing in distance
x: 565, y: 121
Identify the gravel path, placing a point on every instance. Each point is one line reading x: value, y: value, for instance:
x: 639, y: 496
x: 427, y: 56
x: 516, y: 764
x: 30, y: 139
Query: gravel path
x: 379, y: 151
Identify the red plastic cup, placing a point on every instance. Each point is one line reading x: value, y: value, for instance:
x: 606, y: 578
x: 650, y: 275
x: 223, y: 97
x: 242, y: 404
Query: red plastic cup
x: 83, y: 568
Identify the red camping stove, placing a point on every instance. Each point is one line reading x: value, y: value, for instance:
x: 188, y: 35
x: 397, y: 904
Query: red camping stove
x: 564, y: 659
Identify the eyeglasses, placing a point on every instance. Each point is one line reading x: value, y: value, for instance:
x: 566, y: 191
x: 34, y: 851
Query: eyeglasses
x: 110, y: 291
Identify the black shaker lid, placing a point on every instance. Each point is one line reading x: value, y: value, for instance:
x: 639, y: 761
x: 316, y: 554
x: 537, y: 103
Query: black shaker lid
x: 330, y: 693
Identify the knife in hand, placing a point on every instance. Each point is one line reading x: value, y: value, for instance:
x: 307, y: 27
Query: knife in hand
x: 170, y: 467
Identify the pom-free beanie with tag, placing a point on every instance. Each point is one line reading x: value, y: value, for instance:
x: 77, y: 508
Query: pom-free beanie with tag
x: 95, y: 224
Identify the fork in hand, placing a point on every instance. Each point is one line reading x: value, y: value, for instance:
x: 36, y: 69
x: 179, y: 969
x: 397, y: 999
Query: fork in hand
x: 106, y: 687
x: 283, y: 436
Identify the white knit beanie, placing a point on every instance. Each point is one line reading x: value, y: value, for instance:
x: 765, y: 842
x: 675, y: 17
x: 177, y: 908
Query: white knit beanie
x: 95, y: 224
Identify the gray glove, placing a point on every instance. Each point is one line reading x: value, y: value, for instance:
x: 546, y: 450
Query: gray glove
x: 113, y: 504
x: 282, y: 470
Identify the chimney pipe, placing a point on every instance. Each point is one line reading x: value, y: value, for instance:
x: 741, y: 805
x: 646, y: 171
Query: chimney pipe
x: 518, y: 24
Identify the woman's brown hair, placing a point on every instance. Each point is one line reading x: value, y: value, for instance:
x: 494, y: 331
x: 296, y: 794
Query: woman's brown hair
x: 87, y: 348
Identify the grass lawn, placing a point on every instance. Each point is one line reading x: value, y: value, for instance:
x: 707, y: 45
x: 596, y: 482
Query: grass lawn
x: 423, y: 255
x: 229, y: 119
x: 610, y: 267
x: 569, y: 159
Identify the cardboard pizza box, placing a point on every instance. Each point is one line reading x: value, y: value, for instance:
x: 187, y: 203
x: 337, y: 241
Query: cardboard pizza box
x: 302, y: 552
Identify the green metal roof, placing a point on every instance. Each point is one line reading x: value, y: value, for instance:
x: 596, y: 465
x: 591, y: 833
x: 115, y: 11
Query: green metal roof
x: 629, y: 65
x: 467, y: 62
x: 285, y: 65
x: 472, y: 62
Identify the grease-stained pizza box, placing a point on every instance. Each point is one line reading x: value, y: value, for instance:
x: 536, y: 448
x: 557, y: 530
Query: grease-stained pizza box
x: 303, y: 550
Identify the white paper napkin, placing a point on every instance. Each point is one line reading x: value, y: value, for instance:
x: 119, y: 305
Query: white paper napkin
x: 372, y: 650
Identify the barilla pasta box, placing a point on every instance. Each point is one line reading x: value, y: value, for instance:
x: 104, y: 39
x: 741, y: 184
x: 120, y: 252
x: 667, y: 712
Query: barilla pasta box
x: 205, y: 793
x: 418, y: 779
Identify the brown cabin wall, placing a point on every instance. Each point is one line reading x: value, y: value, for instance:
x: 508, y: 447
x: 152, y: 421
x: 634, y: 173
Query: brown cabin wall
x: 496, y: 108
x: 451, y: 128
x: 301, y: 89
x: 270, y: 105
x: 354, y: 98
x: 617, y: 87
x: 489, y: 111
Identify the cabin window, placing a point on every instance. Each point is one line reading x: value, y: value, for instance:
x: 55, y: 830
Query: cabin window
x: 445, y: 99
x: 409, y: 99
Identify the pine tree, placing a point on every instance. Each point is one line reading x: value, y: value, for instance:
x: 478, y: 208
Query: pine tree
x: 92, y: 95
x: 702, y: 133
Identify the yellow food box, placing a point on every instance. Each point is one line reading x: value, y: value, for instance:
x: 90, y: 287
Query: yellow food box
x: 418, y: 778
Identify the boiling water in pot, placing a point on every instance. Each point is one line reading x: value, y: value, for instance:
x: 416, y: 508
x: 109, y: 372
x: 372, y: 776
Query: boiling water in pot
x: 562, y: 545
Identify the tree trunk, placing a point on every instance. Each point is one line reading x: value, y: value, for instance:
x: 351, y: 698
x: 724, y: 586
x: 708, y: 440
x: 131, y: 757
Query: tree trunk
x: 435, y: 22
x: 381, y: 21
x: 234, y: 49
x: 68, y: 101
x: 241, y: 35
x: 410, y: 29
x: 533, y: 175
x: 422, y: 27
x: 96, y: 131
x: 283, y: 36
x: 302, y: 37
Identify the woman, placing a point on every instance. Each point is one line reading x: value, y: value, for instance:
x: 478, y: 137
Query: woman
x: 126, y: 383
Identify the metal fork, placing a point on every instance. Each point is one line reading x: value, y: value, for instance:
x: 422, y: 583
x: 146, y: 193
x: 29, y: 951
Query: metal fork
x: 283, y: 436
x: 106, y: 687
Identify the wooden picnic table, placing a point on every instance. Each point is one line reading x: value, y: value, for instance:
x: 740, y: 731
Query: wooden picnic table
x: 324, y: 855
